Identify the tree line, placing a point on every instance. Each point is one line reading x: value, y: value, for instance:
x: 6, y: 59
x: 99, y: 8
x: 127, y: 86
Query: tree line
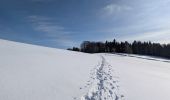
x: 136, y: 47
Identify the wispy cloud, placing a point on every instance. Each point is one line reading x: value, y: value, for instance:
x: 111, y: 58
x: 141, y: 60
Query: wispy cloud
x: 161, y: 36
x: 51, y: 30
x: 41, y: 0
x: 139, y: 20
x: 115, y: 8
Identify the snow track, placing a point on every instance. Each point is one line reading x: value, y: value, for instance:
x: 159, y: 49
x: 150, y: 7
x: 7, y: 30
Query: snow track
x: 103, y: 85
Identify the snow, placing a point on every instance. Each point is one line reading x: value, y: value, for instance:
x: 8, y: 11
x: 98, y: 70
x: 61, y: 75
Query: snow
x: 142, y: 79
x: 30, y: 72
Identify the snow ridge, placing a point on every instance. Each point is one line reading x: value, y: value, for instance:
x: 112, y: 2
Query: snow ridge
x: 104, y: 85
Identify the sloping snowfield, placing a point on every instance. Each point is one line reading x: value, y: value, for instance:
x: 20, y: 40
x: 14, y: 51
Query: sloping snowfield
x: 29, y: 72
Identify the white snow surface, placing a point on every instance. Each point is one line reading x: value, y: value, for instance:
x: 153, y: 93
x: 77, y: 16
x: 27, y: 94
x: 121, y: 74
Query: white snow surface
x: 29, y: 72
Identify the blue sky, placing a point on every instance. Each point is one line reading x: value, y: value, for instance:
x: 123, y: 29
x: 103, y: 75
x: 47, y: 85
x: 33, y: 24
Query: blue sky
x: 66, y: 23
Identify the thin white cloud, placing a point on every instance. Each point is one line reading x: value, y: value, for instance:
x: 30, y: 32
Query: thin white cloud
x: 47, y: 26
x: 161, y: 36
x: 34, y: 18
x: 41, y: 0
x: 146, y: 22
x: 50, y: 29
x: 115, y: 8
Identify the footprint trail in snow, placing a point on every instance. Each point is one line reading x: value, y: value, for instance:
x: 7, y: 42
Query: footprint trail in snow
x: 102, y: 84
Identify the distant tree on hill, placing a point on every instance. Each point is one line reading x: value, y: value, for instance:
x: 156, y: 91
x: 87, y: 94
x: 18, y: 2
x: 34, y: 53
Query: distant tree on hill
x: 136, y: 47
x: 74, y: 49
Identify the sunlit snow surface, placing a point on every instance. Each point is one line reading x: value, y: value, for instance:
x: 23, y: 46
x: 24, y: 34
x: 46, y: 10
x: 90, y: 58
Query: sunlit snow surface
x: 29, y: 72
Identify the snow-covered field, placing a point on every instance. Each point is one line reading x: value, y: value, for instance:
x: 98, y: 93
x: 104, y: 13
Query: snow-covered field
x: 29, y: 72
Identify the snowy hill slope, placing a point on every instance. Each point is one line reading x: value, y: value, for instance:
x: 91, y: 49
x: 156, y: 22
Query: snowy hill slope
x: 29, y: 72
x: 142, y: 79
